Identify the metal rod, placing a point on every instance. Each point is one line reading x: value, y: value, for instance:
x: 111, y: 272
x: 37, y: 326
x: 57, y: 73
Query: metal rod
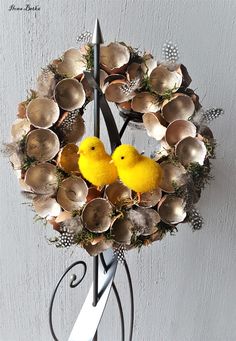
x: 96, y: 40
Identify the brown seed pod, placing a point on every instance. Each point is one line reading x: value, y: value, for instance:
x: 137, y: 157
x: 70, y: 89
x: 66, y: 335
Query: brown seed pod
x: 71, y: 127
x: 42, y: 178
x: 153, y: 126
x: 178, y: 130
x: 19, y: 128
x: 122, y: 230
x: 69, y: 94
x: 72, y: 64
x: 114, y: 57
x: 145, y: 102
x: 150, y: 199
x: 172, y: 174
x: 68, y: 158
x: 115, y: 92
x: 72, y: 193
x: 191, y: 150
x: 42, y: 112
x: 172, y: 209
x: 96, y: 215
x: 96, y: 249
x: 46, y: 207
x: 179, y: 107
x: 42, y: 144
x: 162, y: 79
x: 118, y: 194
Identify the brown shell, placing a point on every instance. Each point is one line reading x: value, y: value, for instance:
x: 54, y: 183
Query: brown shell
x: 178, y: 130
x: 42, y: 112
x: 114, y: 57
x: 72, y: 193
x: 42, y: 178
x: 71, y: 127
x: 191, y: 150
x: 163, y: 79
x: 96, y: 215
x: 172, y: 209
x: 96, y: 249
x: 145, y: 102
x: 150, y: 199
x: 46, y: 207
x: 42, y: 144
x: 172, y: 174
x: 179, y: 107
x: 68, y: 158
x: 69, y: 94
x: 122, y: 230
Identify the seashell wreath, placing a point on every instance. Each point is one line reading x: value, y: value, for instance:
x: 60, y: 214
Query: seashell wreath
x: 153, y: 95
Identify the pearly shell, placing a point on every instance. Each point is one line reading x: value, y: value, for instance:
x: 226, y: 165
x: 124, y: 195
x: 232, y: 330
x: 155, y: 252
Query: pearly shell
x: 178, y: 130
x: 114, y: 57
x: 42, y: 144
x: 191, y: 150
x: 115, y: 92
x: 150, y: 199
x: 117, y: 193
x: 68, y: 158
x: 73, y: 63
x: 179, y: 107
x: 42, y: 178
x: 46, y: 207
x: 122, y: 230
x: 153, y: 126
x: 172, y: 173
x: 42, y: 112
x: 69, y: 94
x: 172, y: 209
x: 72, y: 193
x: 145, y: 102
x: 96, y: 215
x: 163, y: 79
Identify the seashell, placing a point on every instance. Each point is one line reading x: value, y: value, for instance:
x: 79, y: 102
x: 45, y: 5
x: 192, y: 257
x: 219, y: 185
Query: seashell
x: 180, y: 107
x: 46, y: 207
x: 153, y: 126
x: 42, y: 112
x: 114, y: 57
x: 72, y: 193
x: 68, y: 158
x: 19, y: 128
x: 71, y: 127
x: 191, y: 150
x: 150, y: 199
x: 145, y: 102
x: 172, y: 174
x: 116, y: 92
x: 122, y: 230
x: 172, y: 209
x: 149, y: 64
x: 178, y: 130
x: 98, y: 248
x: 72, y: 64
x: 144, y: 220
x: 162, y: 79
x: 42, y: 178
x: 118, y: 194
x: 96, y: 215
x: 69, y: 94
x: 42, y: 145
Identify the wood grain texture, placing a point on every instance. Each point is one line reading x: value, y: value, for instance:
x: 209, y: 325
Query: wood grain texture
x: 185, y: 285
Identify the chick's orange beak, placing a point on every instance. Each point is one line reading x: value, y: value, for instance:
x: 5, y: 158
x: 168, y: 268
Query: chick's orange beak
x: 112, y: 161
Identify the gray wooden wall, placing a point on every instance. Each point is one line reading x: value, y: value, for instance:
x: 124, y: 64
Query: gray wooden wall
x: 185, y: 285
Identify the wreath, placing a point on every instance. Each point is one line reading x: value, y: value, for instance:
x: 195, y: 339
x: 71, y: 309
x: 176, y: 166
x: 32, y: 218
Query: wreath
x: 151, y: 95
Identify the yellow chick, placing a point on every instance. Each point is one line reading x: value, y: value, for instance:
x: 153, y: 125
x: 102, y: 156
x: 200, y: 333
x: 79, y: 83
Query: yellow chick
x: 138, y: 172
x: 95, y: 164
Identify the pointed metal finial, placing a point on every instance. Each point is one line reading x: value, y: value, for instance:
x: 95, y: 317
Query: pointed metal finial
x: 97, y: 34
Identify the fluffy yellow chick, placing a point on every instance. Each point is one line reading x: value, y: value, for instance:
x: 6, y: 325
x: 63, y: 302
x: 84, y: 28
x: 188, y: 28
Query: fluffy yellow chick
x: 95, y: 164
x: 138, y: 172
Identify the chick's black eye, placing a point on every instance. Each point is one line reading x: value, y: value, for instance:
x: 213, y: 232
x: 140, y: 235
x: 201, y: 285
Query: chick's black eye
x: 122, y: 157
x: 92, y: 148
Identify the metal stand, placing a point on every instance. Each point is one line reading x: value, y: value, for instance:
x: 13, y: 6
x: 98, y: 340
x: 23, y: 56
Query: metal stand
x: 103, y: 275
